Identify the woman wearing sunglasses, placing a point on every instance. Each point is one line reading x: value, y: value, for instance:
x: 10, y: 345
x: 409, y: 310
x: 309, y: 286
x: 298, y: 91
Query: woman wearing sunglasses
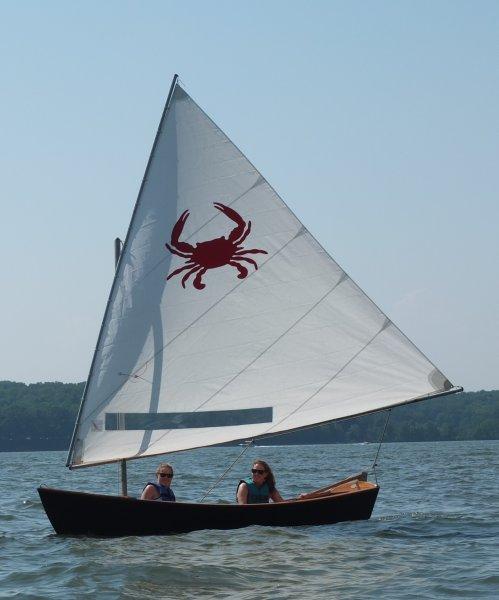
x: 260, y: 488
x: 160, y: 490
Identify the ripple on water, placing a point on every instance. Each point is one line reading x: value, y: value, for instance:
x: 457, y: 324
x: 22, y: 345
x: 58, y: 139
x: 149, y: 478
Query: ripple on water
x: 7, y: 517
x: 429, y: 537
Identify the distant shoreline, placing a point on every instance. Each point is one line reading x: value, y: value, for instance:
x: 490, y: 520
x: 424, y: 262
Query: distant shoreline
x: 40, y: 417
x: 41, y: 449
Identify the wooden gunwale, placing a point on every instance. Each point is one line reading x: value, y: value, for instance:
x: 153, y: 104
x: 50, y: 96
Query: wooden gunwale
x: 269, y: 505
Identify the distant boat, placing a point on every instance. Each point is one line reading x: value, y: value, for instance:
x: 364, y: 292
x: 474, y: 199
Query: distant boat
x: 226, y: 321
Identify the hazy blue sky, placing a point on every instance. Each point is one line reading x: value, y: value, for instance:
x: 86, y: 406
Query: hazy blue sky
x: 377, y: 122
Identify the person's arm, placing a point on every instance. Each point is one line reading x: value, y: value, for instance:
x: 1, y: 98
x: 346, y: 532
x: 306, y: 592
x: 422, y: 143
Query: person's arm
x: 276, y: 497
x: 149, y: 493
x: 242, y: 493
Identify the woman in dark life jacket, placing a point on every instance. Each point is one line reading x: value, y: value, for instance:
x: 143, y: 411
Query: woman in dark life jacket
x: 260, y: 488
x: 160, y: 490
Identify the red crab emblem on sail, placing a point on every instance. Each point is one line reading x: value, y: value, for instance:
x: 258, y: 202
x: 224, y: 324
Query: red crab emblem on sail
x: 213, y: 253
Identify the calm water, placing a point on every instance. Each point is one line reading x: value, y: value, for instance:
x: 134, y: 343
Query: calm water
x: 434, y: 531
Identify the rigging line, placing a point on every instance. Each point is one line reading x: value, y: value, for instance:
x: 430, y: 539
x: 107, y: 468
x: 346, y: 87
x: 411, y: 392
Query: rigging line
x: 249, y: 443
x: 330, y: 379
x: 134, y: 376
x: 379, y: 445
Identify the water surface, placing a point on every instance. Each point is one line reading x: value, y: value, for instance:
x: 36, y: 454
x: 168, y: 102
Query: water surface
x: 434, y: 531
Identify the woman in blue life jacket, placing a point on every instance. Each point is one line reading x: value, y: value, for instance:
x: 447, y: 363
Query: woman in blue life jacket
x: 260, y: 488
x: 160, y: 490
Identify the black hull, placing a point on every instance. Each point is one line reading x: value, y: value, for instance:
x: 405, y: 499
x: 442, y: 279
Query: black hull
x: 78, y: 513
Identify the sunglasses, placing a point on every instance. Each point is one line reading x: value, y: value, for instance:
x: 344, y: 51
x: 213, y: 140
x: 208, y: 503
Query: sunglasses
x: 259, y: 471
x: 169, y: 475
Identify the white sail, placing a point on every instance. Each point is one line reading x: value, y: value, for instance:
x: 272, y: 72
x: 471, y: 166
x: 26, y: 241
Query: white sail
x: 257, y: 330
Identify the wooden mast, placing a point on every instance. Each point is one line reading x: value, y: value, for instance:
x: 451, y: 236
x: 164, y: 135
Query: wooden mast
x: 122, y: 463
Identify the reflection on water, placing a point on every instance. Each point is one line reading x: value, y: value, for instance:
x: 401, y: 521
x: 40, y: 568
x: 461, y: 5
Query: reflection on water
x: 434, y: 531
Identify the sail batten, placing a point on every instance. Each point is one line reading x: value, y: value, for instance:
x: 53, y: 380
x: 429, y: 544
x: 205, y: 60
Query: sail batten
x: 227, y: 313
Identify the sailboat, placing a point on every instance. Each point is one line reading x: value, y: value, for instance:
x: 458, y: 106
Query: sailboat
x: 226, y: 321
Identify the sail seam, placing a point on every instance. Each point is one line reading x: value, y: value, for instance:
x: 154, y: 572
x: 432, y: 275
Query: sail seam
x: 323, y: 297
x: 328, y: 381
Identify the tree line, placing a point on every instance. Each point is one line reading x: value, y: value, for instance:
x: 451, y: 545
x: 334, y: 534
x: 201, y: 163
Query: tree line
x: 41, y: 416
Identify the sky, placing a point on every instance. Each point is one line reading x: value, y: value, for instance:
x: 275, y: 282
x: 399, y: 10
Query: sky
x: 377, y: 123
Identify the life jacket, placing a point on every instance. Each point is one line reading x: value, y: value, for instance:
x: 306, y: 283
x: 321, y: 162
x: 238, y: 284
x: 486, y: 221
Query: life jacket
x: 164, y: 493
x: 256, y: 494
